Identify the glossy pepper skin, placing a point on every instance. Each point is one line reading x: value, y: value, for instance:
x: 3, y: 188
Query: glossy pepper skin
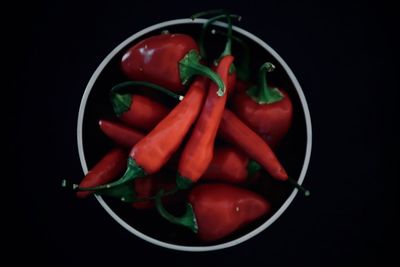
x: 221, y: 209
x: 166, y: 60
x: 227, y: 165
x: 198, y: 151
x: 120, y: 134
x: 153, y: 151
x: 143, y: 113
x: 265, y: 109
x: 217, y: 210
x: 106, y: 170
x: 238, y: 133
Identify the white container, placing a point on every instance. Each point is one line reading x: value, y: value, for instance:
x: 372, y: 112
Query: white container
x: 296, y: 94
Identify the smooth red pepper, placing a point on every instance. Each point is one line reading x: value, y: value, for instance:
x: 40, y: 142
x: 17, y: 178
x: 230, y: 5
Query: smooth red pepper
x: 169, y: 60
x: 218, y: 210
x: 267, y: 110
x: 111, y: 166
x: 230, y: 165
x: 121, y: 134
x: 152, y: 152
x: 233, y: 130
x: 239, y: 134
x: 142, y: 113
x: 198, y: 151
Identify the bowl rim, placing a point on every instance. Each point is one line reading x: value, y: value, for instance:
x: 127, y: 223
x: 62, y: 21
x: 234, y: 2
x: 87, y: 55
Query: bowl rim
x: 271, y: 219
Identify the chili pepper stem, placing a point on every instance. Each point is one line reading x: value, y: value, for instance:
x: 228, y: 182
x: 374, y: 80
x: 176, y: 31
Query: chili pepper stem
x: 203, y: 53
x: 122, y: 188
x: 190, y: 66
x: 243, y: 70
x: 122, y: 102
x: 299, y: 187
x: 188, y: 219
x: 183, y: 182
x: 262, y: 93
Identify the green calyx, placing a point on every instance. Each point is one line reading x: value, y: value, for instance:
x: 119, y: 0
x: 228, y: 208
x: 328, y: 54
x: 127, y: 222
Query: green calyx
x: 190, y: 66
x: 122, y: 102
x: 252, y: 168
x: 183, y: 182
x: 188, y: 219
x: 242, y: 70
x: 123, y: 188
x: 262, y: 93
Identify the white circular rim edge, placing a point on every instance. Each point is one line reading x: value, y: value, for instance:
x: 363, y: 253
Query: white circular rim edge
x: 249, y: 235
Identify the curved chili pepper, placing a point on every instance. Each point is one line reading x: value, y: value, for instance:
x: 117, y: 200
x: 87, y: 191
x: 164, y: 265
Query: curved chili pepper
x: 266, y: 110
x: 107, y: 169
x: 230, y: 165
x: 121, y: 134
x: 151, y: 153
x: 215, y: 211
x: 233, y: 130
x: 169, y: 60
x: 198, y: 151
x: 141, y: 113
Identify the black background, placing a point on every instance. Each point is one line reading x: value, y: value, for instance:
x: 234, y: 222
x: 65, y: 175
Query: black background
x: 344, y: 56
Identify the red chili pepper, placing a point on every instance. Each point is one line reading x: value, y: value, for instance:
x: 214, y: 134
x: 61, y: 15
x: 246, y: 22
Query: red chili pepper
x: 230, y: 165
x: 266, y: 110
x: 198, y: 151
x: 218, y: 210
x: 239, y: 134
x: 169, y: 60
x: 233, y: 130
x: 121, y: 134
x: 151, y: 153
x: 142, y: 114
x: 107, y: 169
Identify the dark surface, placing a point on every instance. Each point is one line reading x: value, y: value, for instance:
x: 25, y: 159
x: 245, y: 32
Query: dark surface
x: 344, y: 58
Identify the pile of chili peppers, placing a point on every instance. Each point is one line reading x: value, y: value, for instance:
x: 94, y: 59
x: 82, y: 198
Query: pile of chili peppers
x: 222, y: 132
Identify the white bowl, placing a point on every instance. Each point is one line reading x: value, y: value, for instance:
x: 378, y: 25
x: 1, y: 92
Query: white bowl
x: 102, y: 75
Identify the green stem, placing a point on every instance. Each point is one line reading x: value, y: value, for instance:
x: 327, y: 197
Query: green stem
x: 204, y: 30
x: 188, y: 219
x: 243, y: 71
x: 190, y: 66
x: 122, y: 188
x: 299, y: 187
x: 262, y: 93
x: 183, y: 182
x: 207, y: 13
x: 122, y: 102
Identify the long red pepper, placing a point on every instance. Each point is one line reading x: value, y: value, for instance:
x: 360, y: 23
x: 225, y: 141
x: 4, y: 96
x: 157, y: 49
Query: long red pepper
x: 228, y: 163
x: 107, y: 169
x: 198, y: 151
x: 121, y: 134
x: 235, y: 131
x: 154, y: 150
